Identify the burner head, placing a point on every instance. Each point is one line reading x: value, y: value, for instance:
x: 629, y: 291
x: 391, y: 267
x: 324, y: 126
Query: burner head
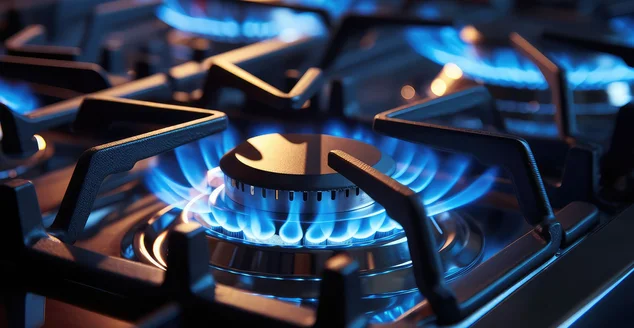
x: 290, y: 173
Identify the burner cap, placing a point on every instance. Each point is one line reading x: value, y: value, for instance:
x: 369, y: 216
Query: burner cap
x: 297, y: 162
x: 282, y: 165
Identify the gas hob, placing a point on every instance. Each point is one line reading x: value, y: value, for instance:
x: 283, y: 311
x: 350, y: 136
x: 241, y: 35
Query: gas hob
x: 316, y: 163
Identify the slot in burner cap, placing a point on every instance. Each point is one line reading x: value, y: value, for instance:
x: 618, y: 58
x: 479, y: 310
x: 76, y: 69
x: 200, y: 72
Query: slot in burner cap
x: 278, y: 169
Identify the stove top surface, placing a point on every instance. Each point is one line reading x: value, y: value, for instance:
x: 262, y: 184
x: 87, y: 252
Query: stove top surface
x: 316, y: 163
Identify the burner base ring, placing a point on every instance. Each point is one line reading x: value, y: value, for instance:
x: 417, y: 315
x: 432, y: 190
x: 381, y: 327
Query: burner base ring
x: 293, y: 273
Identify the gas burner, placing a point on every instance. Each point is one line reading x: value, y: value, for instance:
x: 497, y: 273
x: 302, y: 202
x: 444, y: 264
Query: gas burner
x: 273, y: 204
x: 279, y: 190
x: 19, y: 98
x: 275, y: 172
x: 235, y: 22
x: 480, y: 47
x: 503, y: 66
x: 241, y: 203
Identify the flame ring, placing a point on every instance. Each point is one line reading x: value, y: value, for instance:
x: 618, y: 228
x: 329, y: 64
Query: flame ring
x: 294, y: 272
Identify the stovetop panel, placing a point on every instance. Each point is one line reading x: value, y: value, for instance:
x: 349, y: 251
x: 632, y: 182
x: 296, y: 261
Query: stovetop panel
x: 401, y: 163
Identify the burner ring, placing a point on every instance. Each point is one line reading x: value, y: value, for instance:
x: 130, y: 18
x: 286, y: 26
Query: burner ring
x: 289, y: 173
x: 385, y: 267
x: 241, y: 224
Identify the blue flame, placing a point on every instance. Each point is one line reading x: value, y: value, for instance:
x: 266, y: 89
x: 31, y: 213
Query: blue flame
x: 224, y: 21
x: 190, y: 179
x: 623, y: 27
x: 18, y: 97
x: 504, y: 66
x: 399, y: 306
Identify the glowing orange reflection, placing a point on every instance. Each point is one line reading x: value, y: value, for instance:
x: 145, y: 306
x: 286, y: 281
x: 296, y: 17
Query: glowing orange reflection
x: 452, y: 71
x: 408, y: 92
x: 470, y: 34
x: 438, y: 87
x: 41, y: 143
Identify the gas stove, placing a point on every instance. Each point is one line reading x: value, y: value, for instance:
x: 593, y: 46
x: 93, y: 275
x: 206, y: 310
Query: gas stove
x: 316, y: 163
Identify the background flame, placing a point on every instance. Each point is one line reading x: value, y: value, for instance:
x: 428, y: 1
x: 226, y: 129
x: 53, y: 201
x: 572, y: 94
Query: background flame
x: 18, y: 97
x: 226, y: 21
x: 504, y: 66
